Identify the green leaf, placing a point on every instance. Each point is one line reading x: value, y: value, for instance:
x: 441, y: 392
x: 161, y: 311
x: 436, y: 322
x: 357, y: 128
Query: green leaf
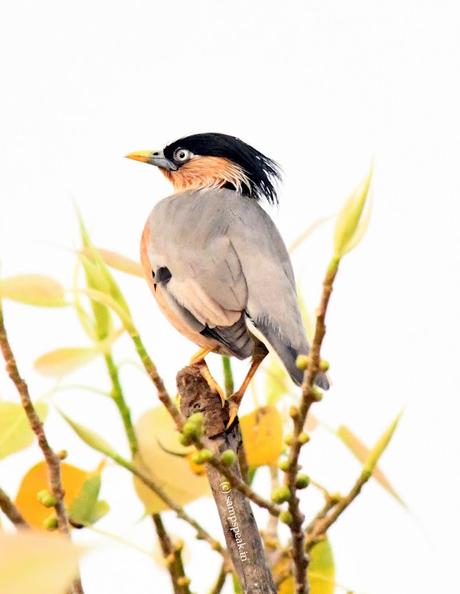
x: 15, y: 431
x: 33, y: 289
x: 125, y: 317
x: 100, y: 276
x: 91, y: 438
x: 100, y: 510
x: 321, y: 570
x: 361, y: 452
x: 85, y: 508
x: 353, y: 219
x: 102, y: 317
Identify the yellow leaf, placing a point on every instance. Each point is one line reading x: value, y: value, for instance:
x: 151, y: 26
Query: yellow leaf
x: 33, y: 289
x: 37, y: 562
x: 306, y: 233
x: 321, y: 571
x: 157, y: 433
x: 361, y: 452
x: 351, y: 223
x: 35, y: 480
x: 381, y: 445
x: 119, y: 262
x: 15, y: 431
x: 64, y: 360
x: 262, y: 431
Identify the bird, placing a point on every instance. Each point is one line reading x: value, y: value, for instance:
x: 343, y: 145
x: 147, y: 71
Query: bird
x: 215, y: 261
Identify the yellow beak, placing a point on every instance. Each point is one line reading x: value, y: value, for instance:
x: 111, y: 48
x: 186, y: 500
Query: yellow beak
x: 144, y: 156
x: 153, y: 158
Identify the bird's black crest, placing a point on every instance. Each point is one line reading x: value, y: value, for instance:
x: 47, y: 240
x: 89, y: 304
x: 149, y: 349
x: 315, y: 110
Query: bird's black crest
x: 262, y: 172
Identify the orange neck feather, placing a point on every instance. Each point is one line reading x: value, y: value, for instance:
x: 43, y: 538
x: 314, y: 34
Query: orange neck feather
x: 207, y: 172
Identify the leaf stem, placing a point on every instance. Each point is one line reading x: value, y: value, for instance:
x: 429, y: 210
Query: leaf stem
x: 173, y: 557
x: 120, y: 402
x: 228, y: 376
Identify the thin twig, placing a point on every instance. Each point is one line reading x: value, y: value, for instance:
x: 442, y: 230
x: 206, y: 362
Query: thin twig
x: 152, y: 372
x: 52, y: 459
x: 308, y: 397
x: 11, y: 511
x: 328, y: 505
x: 318, y: 529
x: 173, y: 558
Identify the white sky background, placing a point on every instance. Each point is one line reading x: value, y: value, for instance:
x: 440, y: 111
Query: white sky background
x: 321, y: 87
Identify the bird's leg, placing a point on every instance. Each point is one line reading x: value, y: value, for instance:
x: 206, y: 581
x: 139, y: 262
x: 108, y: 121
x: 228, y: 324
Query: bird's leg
x: 198, y: 359
x: 258, y: 355
x: 200, y: 355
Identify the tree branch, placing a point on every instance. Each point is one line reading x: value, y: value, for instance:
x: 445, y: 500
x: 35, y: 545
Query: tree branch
x: 240, y: 529
x: 52, y: 459
x: 309, y: 396
x: 11, y: 511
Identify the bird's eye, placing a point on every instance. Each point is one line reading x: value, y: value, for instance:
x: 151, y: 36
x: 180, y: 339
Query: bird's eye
x: 181, y: 155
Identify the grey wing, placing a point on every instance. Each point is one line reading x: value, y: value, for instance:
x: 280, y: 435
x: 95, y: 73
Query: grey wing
x: 272, y: 298
x: 205, y: 284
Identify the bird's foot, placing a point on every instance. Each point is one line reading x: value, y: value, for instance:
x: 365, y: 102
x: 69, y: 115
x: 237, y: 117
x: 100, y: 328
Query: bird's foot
x: 204, y: 370
x: 233, y: 405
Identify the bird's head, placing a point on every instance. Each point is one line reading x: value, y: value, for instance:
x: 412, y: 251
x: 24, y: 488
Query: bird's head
x: 214, y: 160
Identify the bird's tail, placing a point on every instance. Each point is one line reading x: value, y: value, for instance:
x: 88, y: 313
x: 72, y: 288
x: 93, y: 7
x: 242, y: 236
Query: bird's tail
x: 288, y: 355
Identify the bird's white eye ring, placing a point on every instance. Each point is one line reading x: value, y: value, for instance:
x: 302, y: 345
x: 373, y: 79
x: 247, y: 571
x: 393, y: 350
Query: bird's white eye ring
x: 181, y: 155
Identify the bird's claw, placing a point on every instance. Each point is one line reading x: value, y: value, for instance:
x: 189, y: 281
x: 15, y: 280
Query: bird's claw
x: 212, y: 382
x: 233, y: 405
